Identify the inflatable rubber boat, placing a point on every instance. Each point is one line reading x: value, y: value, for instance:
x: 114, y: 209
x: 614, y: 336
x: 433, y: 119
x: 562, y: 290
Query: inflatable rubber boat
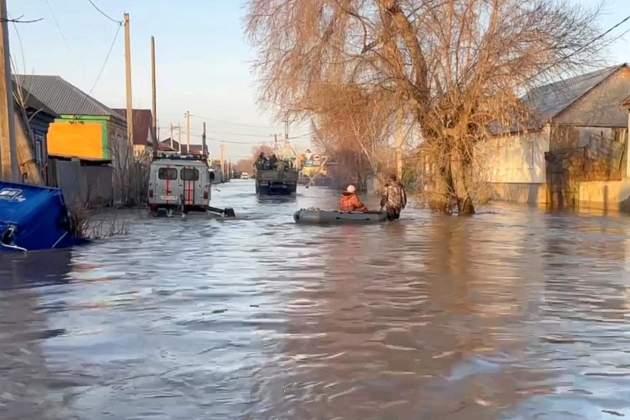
x: 327, y: 217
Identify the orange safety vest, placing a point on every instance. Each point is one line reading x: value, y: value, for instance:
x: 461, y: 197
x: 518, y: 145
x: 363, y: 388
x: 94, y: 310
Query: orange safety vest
x: 351, y: 202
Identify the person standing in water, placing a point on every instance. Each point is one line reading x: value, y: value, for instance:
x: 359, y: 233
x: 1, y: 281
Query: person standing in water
x: 394, y: 198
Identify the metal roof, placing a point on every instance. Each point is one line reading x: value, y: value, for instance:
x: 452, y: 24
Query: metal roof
x: 62, y: 97
x: 547, y: 101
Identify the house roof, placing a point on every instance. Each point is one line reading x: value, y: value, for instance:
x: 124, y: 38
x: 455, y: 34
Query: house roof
x: 62, y: 97
x: 29, y: 102
x: 548, y: 101
x: 141, y: 125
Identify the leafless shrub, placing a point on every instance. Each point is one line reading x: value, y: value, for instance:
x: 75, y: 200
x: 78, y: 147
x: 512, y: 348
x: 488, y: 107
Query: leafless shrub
x: 131, y: 174
x: 84, y: 225
x: 454, y: 68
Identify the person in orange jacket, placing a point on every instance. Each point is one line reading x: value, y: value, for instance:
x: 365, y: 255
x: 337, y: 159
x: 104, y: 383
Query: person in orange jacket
x: 350, y: 201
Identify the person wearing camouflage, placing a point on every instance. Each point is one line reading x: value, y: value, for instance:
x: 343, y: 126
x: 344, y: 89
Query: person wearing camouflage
x: 394, y: 198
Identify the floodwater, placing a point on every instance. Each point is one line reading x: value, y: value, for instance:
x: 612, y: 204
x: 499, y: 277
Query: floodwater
x: 510, y: 314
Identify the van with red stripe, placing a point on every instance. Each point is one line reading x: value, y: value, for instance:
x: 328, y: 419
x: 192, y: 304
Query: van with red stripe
x: 179, y: 184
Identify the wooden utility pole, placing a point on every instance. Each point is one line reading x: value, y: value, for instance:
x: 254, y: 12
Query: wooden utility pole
x: 188, y: 130
x: 204, y: 145
x: 8, y: 146
x: 171, y: 137
x: 128, y: 78
x: 222, y: 148
x: 153, y: 99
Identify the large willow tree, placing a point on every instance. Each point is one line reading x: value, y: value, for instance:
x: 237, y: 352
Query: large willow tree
x: 454, y: 67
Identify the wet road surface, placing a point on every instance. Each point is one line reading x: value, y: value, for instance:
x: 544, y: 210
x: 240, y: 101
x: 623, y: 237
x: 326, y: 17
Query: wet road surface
x: 512, y: 313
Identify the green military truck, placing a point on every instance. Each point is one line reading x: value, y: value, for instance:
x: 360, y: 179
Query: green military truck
x: 282, y: 179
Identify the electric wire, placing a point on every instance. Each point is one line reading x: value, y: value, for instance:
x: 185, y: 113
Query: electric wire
x: 104, y: 14
x: 109, y: 53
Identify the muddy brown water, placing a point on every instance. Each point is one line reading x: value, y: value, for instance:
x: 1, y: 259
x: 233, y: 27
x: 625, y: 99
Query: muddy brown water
x: 510, y: 314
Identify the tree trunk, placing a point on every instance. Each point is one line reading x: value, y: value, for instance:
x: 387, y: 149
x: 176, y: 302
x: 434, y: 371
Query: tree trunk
x: 442, y: 196
x: 452, y: 183
x: 461, y: 169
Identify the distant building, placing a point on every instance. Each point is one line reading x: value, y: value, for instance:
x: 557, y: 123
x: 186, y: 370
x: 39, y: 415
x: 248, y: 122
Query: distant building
x: 142, y: 132
x: 172, y: 146
x: 573, y: 145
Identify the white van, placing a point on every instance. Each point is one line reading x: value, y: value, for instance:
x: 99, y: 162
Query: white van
x: 179, y: 183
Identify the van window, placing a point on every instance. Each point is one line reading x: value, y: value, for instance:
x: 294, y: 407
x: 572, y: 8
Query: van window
x: 189, y: 174
x: 167, y: 173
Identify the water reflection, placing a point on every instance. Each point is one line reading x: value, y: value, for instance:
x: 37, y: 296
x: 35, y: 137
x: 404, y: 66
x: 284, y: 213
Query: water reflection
x: 25, y: 376
x: 510, y: 314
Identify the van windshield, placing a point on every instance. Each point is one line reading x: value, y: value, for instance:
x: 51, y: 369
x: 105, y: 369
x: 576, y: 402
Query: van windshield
x: 167, y: 173
x: 189, y: 174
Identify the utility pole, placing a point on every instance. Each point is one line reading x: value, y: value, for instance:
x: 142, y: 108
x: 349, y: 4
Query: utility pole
x: 275, y: 143
x: 128, y: 78
x: 171, y: 137
x: 154, y: 99
x: 222, y: 148
x: 204, y: 145
x: 188, y: 130
x: 8, y: 145
x: 179, y: 137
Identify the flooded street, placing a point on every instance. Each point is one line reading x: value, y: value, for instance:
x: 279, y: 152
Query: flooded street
x: 512, y: 313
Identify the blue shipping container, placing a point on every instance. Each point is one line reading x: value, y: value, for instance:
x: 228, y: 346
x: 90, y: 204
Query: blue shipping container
x: 33, y: 218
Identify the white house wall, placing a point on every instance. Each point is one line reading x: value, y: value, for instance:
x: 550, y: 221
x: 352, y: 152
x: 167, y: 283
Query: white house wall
x: 518, y: 158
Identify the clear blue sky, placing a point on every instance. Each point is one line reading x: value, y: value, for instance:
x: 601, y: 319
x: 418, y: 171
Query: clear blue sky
x: 203, y: 58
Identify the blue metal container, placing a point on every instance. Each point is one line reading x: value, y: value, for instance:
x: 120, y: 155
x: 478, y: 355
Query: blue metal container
x: 33, y: 218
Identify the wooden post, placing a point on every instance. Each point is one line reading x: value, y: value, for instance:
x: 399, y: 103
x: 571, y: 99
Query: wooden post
x: 153, y: 99
x: 128, y: 79
x: 172, y: 137
x: 222, y: 162
x: 8, y: 147
x: 204, y: 145
x: 188, y: 130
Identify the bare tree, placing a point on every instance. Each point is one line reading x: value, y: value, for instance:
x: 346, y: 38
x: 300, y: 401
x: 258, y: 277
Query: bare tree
x: 454, y: 67
x: 352, y: 125
x: 130, y: 173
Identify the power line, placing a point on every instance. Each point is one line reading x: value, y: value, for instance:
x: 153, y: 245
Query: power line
x: 63, y: 37
x: 19, y: 38
x: 20, y: 20
x: 104, y: 14
x: 583, y: 47
x: 246, y: 143
x: 109, y: 53
x: 208, y: 119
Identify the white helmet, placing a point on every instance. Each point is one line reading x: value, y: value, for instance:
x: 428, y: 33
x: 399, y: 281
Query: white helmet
x: 351, y: 189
